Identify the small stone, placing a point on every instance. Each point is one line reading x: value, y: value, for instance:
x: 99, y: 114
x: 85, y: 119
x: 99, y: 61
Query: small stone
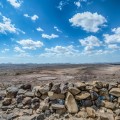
x: 98, y: 84
x: 74, y: 90
x: 83, y: 95
x: 54, y: 96
x: 26, y: 100
x: 11, y: 92
x: 109, y: 105
x: 6, y: 101
x: 56, y: 88
x: 117, y: 118
x: 29, y: 94
x: 57, y: 106
x: 80, y: 85
x: 90, y: 112
x: 82, y: 114
x: 26, y: 86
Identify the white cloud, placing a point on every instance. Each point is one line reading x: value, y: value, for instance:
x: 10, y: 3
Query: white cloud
x: 91, y: 41
x: 39, y: 29
x: 113, y: 46
x: 30, y: 44
x: 56, y: 28
x: 5, y: 50
x: 60, y: 51
x: 33, y: 18
x: 7, y: 26
x: 90, y: 22
x: 50, y: 36
x: 62, y: 4
x: 18, y: 49
x: 113, y: 38
x: 15, y: 3
x: 78, y: 4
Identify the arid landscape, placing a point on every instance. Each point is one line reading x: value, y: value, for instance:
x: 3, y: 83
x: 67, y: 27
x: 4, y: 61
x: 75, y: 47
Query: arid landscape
x: 40, y: 74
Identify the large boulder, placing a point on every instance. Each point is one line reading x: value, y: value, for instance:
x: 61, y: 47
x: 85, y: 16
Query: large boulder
x: 115, y: 92
x: 83, y: 95
x: 71, y: 104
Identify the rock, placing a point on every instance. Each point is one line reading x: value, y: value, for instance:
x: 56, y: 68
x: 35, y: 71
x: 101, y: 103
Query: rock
x: 27, y: 112
x: 36, y: 91
x: 74, y: 90
x: 54, y: 96
x: 71, y: 103
x: 46, y: 88
x: 94, y: 95
x: 34, y: 100
x: 12, y: 116
x: 11, y: 92
x: 119, y: 100
x: 44, y: 96
x: 10, y: 107
x: 117, y: 112
x: 56, y: 88
x: 115, y: 92
x: 26, y: 86
x: 106, y: 116
x: 29, y: 94
x: 87, y: 103
x: 117, y: 118
x: 6, y: 101
x: 80, y: 85
x: 98, y: 84
x: 83, y: 95
x: 35, y: 105
x: 91, y: 112
x: 82, y: 114
x: 61, y: 111
x: 99, y: 103
x: 109, y: 105
x: 21, y: 91
x: 44, y: 106
x: 27, y: 101
x: 57, y: 106
x: 64, y: 88
x: 19, y: 98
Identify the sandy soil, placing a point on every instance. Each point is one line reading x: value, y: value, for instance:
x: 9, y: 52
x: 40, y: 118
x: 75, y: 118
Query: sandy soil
x: 41, y: 74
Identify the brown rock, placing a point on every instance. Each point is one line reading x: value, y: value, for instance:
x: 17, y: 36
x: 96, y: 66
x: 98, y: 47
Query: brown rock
x: 71, y: 103
x: 56, y: 88
x: 80, y: 85
x: 115, y: 92
x: 82, y: 95
x: 6, y: 101
x: 27, y: 100
x: 57, y: 106
x: 82, y: 114
x: 54, y: 96
x: 91, y: 112
x: 98, y: 84
x: 109, y: 105
x: 74, y: 90
x: 117, y: 118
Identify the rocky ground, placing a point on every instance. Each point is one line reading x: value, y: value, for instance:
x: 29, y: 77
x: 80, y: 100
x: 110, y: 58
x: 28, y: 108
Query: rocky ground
x: 65, y: 101
x: 60, y: 92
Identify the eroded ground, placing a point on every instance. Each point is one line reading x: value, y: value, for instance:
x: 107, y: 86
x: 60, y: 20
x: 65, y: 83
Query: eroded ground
x: 40, y: 74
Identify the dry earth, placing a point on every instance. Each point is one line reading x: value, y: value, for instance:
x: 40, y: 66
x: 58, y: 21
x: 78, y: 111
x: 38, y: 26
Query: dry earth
x: 40, y: 74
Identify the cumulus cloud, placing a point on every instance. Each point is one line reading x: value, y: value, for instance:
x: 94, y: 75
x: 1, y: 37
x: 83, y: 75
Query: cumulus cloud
x: 60, y: 51
x: 18, y: 49
x: 30, y: 44
x: 7, y: 26
x: 113, y: 46
x: 78, y: 4
x: 90, y: 22
x: 50, y: 36
x: 33, y: 18
x: 90, y: 43
x: 39, y: 29
x: 15, y: 3
x: 113, y: 38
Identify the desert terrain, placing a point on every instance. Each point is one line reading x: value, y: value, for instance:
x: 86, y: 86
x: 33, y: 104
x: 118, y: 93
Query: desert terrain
x: 40, y: 74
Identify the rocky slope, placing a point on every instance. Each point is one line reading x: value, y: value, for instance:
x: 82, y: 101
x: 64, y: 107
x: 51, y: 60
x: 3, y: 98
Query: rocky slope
x: 65, y: 101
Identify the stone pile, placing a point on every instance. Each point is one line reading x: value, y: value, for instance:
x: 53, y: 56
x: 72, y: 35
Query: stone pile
x: 69, y: 101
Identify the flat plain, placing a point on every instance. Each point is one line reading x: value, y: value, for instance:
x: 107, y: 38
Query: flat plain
x: 57, y: 73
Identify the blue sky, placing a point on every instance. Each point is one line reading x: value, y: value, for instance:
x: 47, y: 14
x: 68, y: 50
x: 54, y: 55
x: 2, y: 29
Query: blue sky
x: 59, y: 31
